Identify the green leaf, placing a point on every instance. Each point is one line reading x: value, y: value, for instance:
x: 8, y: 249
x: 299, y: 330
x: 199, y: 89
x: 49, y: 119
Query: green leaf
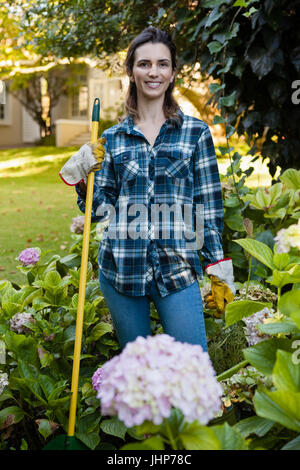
x: 230, y: 130
x: 44, y: 427
x: 280, y: 406
x: 52, y: 279
x: 195, y: 436
x: 91, y: 440
x: 229, y: 437
x: 262, y: 355
x: 274, y: 328
x: 114, y: 427
x: 259, y: 250
x: 239, y: 309
x: 281, y: 260
x: 281, y: 278
x: 11, y: 415
x: 99, y: 330
x: 294, y: 444
x: 291, y: 178
x: 153, y: 443
x: 215, y: 46
x: 228, y: 100
x: 218, y: 120
x: 254, y: 425
x: 289, y: 302
x: 286, y: 374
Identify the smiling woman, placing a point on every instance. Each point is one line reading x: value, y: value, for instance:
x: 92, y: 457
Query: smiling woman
x: 156, y: 156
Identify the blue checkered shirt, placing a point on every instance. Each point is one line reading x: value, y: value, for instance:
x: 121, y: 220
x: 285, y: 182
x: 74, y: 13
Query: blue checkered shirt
x: 180, y: 170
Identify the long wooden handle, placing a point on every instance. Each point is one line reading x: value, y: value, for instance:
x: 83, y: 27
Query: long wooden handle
x: 83, y: 275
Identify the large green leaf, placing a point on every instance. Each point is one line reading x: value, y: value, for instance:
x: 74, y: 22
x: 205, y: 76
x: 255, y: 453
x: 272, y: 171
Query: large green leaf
x: 262, y: 355
x: 274, y: 328
x: 259, y: 250
x: 286, y: 374
x: 291, y: 178
x: 195, y: 436
x: 11, y: 415
x: 236, y: 311
x: 281, y: 406
x: 99, y: 330
x: 114, y: 427
x: 292, y: 445
x: 254, y: 425
x: 289, y: 302
x: 229, y: 437
x: 153, y: 443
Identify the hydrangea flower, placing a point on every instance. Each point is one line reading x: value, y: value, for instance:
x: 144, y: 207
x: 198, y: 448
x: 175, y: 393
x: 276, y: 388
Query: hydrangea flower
x: 29, y: 256
x: 251, y: 332
x: 154, y: 374
x: 3, y: 381
x: 18, y: 322
x: 77, y: 224
x: 288, y: 238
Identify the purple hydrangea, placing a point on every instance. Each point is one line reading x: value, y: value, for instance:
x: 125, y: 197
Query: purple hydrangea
x: 29, y: 256
x: 77, y: 224
x: 154, y: 374
x: 252, y: 334
x: 97, y: 379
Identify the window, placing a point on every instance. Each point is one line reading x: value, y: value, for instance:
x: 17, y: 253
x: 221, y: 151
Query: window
x: 5, y: 115
x: 2, y: 112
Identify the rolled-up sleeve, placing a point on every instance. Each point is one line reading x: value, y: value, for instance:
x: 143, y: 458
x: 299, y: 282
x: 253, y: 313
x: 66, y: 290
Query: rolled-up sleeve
x: 105, y: 192
x: 208, y: 195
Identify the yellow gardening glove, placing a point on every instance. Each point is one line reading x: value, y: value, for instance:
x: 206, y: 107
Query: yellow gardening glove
x: 98, y: 152
x: 220, y: 296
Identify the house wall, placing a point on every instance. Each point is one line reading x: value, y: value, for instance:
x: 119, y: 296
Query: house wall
x: 11, y: 130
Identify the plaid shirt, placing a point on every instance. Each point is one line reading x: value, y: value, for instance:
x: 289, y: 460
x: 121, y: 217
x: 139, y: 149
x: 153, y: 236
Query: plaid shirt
x: 181, y: 169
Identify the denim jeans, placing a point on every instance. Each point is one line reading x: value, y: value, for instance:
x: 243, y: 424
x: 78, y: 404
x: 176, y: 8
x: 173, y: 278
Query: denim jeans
x: 181, y: 313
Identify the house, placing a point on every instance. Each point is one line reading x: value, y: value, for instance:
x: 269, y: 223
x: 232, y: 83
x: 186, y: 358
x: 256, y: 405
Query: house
x: 71, y: 115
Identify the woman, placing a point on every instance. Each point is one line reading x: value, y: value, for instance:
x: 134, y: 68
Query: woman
x: 157, y: 161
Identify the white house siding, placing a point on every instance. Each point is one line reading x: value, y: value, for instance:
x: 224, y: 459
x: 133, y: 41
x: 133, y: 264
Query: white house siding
x: 30, y: 128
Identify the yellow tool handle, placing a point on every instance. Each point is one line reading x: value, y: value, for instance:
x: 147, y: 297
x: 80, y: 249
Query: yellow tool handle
x: 83, y: 275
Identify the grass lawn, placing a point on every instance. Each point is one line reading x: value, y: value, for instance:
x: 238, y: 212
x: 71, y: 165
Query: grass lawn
x: 36, y: 206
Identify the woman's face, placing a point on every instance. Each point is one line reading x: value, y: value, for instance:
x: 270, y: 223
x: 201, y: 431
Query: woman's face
x: 152, y: 70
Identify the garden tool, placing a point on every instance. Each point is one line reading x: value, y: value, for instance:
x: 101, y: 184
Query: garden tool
x: 70, y: 442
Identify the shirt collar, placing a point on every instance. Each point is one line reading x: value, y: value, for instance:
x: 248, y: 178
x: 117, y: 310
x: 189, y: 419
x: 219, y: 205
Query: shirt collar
x: 127, y: 124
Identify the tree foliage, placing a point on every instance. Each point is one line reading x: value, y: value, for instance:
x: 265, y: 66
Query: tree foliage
x: 251, y: 47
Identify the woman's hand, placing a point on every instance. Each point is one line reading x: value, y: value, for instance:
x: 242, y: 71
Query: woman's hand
x: 88, y: 158
x: 220, y: 296
x: 222, y: 286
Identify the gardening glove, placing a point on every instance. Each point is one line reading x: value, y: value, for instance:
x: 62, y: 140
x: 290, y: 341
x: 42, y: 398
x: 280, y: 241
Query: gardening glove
x: 88, y: 158
x: 222, y: 286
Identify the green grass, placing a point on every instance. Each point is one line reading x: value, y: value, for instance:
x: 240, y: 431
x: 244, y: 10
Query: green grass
x: 36, y: 206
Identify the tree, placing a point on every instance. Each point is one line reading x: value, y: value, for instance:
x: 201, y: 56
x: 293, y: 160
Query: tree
x: 36, y: 81
x: 250, y: 47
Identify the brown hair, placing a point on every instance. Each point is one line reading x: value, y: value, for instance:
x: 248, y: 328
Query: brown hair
x: 154, y: 35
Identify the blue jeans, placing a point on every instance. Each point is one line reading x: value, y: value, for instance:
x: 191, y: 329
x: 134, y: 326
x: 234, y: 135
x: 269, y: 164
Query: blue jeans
x: 181, y: 313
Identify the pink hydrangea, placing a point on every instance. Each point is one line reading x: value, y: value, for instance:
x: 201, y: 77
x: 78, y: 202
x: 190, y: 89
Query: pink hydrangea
x: 29, y: 256
x: 154, y: 374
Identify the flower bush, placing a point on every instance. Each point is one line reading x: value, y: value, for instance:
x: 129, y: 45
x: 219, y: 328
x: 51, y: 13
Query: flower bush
x: 154, y: 374
x: 37, y: 328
